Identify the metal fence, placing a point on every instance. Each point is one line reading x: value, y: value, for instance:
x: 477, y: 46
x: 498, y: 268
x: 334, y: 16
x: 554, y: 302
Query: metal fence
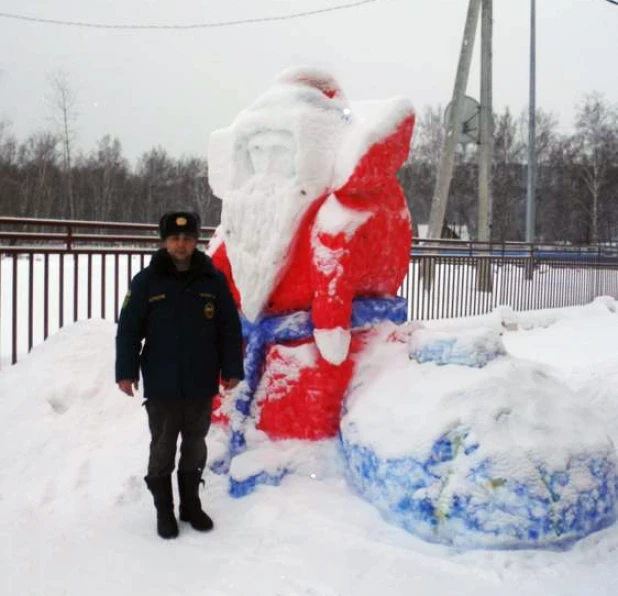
x: 54, y: 272
x: 455, y: 279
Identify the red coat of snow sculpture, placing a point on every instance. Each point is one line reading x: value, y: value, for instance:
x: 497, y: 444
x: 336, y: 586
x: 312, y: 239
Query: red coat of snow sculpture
x: 313, y: 218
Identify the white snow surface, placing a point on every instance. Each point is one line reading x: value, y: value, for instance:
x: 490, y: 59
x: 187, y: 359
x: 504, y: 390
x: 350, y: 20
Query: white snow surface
x: 523, y: 410
x: 76, y: 519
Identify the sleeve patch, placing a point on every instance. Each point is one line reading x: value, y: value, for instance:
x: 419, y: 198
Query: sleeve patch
x: 126, y: 299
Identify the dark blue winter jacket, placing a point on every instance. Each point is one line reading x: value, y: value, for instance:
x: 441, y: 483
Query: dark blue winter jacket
x: 190, y: 326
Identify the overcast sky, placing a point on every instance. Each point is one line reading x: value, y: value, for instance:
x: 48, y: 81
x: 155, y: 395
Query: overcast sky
x: 172, y: 88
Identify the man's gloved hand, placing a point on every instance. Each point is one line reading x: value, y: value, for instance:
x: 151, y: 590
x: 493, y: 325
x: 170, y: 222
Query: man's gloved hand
x: 229, y: 383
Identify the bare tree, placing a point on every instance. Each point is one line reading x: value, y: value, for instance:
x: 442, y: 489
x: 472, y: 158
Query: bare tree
x: 429, y: 136
x: 546, y: 137
x: 157, y: 173
x: 107, y: 169
x: 62, y: 102
x: 37, y: 160
x: 596, y: 127
x: 210, y: 204
x: 9, y: 172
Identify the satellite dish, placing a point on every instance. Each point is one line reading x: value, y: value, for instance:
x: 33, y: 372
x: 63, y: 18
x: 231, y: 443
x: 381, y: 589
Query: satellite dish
x: 468, y: 122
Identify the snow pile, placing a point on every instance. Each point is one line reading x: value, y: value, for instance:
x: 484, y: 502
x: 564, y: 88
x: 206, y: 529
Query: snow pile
x: 600, y: 306
x: 268, y: 462
x: 61, y: 413
x: 504, y: 456
x: 504, y: 318
x: 74, y: 508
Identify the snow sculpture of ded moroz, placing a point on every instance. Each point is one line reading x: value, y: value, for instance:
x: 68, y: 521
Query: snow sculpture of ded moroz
x: 314, y: 238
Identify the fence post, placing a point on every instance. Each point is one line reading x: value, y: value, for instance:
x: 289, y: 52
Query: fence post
x: 530, y: 263
x: 69, y: 237
x: 484, y: 281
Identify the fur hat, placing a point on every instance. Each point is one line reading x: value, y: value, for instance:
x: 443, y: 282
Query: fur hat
x: 179, y: 222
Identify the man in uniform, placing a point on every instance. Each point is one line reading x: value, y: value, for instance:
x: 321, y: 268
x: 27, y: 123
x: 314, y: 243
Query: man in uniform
x: 181, y: 307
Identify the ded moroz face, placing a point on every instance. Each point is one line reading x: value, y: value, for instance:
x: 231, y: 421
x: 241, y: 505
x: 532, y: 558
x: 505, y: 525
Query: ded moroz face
x: 261, y: 214
x: 273, y: 154
x: 180, y: 247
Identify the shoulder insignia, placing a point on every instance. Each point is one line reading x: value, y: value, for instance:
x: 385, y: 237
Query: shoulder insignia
x: 156, y: 298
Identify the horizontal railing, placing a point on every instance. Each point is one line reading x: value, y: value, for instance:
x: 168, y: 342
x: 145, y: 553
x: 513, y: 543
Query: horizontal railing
x: 53, y: 272
x: 69, y: 234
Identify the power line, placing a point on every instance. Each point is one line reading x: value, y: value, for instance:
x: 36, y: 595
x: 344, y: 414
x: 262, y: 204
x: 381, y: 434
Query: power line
x: 296, y: 15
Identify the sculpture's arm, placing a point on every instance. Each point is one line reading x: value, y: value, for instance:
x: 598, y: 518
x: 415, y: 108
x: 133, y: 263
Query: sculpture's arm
x: 333, y: 276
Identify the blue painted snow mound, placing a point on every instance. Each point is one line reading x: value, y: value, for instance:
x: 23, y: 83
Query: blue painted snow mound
x: 267, y: 462
x: 242, y: 488
x: 472, y: 347
x: 494, y: 511
x: 498, y: 457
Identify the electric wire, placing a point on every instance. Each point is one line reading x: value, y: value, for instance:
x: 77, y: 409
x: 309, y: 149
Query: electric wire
x: 134, y: 27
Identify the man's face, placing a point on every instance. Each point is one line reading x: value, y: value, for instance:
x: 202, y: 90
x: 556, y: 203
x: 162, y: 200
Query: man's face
x: 180, y: 247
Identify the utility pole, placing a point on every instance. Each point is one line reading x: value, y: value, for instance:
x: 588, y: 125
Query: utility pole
x: 530, y: 203
x: 445, y: 173
x: 484, y: 279
x: 486, y: 124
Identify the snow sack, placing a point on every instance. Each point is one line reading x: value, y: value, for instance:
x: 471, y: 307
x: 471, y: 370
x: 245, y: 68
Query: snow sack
x: 502, y: 456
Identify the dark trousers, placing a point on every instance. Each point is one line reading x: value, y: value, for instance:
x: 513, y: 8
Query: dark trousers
x: 189, y: 418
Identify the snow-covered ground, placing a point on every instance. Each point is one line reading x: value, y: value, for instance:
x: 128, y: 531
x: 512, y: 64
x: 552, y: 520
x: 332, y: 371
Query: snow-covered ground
x: 75, y: 518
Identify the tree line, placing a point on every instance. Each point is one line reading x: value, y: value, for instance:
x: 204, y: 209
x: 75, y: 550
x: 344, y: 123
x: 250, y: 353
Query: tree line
x: 577, y: 178
x: 100, y: 185
x: 576, y: 182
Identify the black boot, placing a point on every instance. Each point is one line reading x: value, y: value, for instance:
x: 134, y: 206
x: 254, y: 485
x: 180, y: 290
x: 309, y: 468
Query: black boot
x: 190, y: 506
x: 161, y: 489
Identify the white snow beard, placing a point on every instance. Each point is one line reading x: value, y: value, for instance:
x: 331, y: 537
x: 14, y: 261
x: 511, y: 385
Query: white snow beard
x: 260, y: 221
